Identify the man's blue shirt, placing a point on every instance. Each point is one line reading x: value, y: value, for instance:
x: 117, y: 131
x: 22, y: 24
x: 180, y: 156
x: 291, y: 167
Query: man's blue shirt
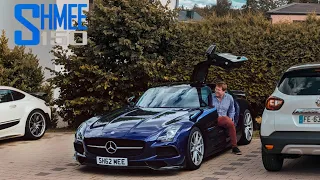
x: 226, y: 106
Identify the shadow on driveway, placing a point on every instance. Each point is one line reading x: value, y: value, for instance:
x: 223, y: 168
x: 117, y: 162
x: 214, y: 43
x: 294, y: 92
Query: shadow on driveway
x: 126, y: 172
x: 304, y: 165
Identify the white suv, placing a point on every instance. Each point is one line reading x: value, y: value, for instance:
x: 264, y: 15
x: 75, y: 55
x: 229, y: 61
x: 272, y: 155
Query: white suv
x: 291, y: 120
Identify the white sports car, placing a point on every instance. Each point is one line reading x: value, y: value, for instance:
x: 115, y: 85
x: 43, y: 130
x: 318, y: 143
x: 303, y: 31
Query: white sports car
x: 22, y: 114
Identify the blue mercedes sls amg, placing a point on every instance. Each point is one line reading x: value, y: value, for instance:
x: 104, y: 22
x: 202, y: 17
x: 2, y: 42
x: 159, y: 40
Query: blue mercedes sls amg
x: 169, y: 127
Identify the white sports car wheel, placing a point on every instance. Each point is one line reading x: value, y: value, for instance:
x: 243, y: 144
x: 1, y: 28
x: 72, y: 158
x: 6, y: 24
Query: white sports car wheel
x: 36, y: 125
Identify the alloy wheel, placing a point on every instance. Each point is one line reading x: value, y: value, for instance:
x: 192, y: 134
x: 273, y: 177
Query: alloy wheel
x: 197, y: 148
x: 37, y: 124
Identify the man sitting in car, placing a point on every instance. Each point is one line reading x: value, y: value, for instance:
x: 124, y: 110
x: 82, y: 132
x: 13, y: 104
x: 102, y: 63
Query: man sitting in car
x: 225, y: 107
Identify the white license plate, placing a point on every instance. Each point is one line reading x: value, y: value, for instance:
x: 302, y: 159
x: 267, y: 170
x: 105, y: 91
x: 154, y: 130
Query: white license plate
x: 108, y: 161
x: 309, y: 119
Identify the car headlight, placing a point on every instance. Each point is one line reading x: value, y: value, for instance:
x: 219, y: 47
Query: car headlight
x: 80, y: 131
x: 169, y: 133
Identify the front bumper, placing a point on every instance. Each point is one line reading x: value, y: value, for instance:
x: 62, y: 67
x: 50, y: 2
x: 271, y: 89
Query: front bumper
x: 149, y: 159
x: 297, y: 143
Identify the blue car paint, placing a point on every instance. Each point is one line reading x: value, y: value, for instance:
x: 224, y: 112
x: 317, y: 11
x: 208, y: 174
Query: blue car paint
x: 206, y: 112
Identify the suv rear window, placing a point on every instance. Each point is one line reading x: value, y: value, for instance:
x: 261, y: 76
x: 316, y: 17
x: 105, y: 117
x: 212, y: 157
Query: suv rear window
x: 300, y: 82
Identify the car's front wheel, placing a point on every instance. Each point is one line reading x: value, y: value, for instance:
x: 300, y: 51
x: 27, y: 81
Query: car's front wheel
x: 272, y: 162
x: 35, y: 125
x: 195, y: 150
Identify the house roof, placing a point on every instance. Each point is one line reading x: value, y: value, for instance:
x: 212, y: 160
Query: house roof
x: 183, y: 15
x: 297, y: 9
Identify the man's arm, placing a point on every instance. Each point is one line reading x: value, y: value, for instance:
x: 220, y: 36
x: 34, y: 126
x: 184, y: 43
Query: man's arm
x: 231, y: 110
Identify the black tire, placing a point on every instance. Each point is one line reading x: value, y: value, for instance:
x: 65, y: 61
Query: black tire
x: 272, y: 162
x: 189, y: 163
x: 28, y: 134
x: 243, y: 140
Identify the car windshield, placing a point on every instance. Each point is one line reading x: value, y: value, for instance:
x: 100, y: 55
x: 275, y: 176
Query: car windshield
x: 182, y: 96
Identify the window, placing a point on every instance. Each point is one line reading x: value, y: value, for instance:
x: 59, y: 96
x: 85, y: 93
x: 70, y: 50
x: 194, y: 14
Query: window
x: 5, y: 96
x: 17, y: 96
x: 301, y: 82
x: 206, y: 95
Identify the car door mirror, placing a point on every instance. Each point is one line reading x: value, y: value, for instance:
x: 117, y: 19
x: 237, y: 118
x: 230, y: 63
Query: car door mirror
x: 131, y: 100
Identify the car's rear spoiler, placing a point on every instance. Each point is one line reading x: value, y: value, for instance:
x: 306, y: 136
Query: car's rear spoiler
x: 40, y: 95
x: 238, y: 93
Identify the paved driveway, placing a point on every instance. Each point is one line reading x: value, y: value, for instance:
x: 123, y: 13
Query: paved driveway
x: 51, y: 158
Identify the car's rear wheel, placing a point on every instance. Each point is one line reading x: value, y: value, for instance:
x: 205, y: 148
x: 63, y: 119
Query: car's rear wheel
x: 35, y: 125
x: 247, y: 128
x: 272, y: 162
x: 195, y: 149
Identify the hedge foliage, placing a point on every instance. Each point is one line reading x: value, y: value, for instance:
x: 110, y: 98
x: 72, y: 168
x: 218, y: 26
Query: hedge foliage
x: 134, y: 44
x: 18, y: 68
x: 270, y: 48
x: 129, y: 42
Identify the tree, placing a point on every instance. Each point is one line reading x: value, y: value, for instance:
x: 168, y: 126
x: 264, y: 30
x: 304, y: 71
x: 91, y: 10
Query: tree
x: 18, y: 68
x: 264, y: 5
x: 130, y: 43
x: 223, y: 7
x: 208, y: 10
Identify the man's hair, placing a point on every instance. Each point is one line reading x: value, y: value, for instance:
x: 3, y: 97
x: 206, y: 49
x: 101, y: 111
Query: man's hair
x: 222, y: 84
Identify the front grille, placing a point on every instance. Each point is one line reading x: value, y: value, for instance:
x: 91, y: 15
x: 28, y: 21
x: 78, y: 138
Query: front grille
x: 119, y: 142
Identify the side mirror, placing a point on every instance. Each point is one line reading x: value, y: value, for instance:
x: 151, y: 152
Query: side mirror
x: 130, y: 101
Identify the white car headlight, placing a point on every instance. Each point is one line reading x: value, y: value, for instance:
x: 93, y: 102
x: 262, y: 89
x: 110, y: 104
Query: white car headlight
x: 80, y: 131
x: 169, y: 133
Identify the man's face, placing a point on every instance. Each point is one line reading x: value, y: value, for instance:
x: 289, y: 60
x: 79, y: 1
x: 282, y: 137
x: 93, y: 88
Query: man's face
x: 219, y: 92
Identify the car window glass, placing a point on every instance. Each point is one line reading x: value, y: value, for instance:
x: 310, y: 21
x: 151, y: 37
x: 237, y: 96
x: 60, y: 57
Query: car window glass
x: 300, y: 83
x: 180, y: 96
x: 205, y: 92
x: 17, y: 95
x: 5, y: 96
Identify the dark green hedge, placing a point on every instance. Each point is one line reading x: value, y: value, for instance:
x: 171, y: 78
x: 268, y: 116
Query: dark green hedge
x: 271, y: 49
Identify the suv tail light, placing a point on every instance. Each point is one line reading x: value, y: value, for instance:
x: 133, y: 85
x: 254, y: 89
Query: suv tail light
x: 274, y: 103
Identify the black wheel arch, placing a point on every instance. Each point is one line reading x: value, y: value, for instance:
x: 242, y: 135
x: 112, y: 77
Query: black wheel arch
x: 244, y: 105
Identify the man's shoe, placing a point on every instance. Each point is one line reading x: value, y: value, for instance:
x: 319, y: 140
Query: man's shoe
x: 236, y: 151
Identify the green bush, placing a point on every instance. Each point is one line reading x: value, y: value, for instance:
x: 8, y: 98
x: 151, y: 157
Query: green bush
x: 129, y: 43
x: 18, y: 68
x: 48, y: 88
x: 271, y: 49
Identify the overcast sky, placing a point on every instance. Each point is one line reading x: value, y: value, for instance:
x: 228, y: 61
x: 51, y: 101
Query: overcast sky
x: 201, y: 3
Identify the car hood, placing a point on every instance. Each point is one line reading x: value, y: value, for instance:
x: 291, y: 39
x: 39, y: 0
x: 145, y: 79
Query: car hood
x: 137, y: 123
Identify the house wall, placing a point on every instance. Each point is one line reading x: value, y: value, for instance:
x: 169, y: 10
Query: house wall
x: 288, y: 18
